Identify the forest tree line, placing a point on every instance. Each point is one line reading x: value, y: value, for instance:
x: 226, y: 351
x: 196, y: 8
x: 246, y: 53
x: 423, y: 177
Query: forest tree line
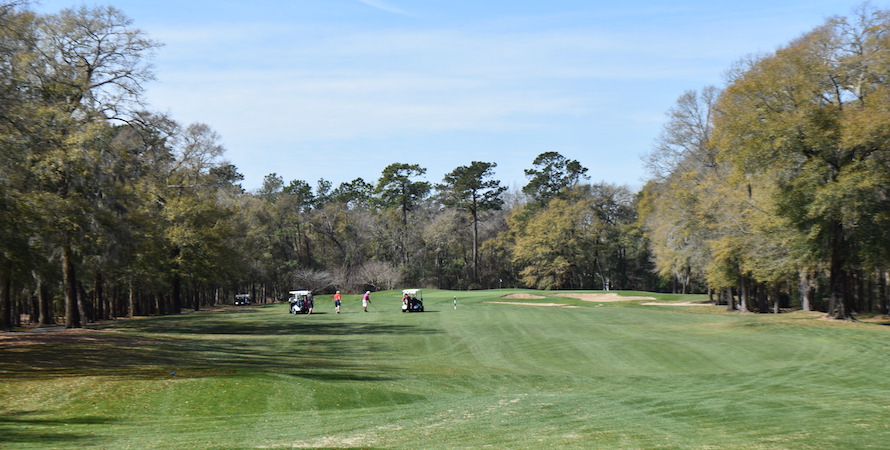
x: 776, y: 188
x: 768, y: 193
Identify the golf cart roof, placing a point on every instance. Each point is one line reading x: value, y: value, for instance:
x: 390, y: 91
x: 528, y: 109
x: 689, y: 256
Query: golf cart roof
x: 410, y: 291
x: 300, y: 292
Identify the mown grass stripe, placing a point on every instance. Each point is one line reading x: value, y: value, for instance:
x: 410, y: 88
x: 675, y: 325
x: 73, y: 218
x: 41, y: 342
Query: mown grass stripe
x: 618, y: 375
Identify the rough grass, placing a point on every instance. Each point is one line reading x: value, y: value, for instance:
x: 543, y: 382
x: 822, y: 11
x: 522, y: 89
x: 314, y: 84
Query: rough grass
x: 599, y: 375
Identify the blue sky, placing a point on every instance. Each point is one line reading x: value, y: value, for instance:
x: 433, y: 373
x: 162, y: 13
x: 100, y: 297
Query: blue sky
x: 339, y: 89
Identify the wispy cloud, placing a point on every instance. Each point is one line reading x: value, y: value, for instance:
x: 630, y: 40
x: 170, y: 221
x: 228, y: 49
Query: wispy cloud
x: 408, y: 82
x: 311, y: 95
x: 384, y: 7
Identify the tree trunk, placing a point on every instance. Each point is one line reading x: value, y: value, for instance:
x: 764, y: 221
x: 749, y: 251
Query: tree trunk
x: 858, y: 294
x: 730, y: 300
x: 839, y: 301
x: 69, y: 281
x: 101, y: 308
x: 15, y: 307
x: 177, y: 293
x: 475, y: 248
x: 882, y: 291
x: 807, y: 288
x: 115, y: 302
x: 131, y: 301
x: 84, y: 308
x: 33, y: 301
x: 175, y: 306
x: 44, y: 303
x: 839, y: 306
x: 5, y: 296
x: 745, y: 293
x: 762, y: 300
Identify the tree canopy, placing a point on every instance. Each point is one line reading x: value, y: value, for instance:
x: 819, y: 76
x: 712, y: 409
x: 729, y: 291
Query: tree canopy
x: 773, y: 187
x: 811, y: 118
x: 551, y: 175
x: 472, y: 189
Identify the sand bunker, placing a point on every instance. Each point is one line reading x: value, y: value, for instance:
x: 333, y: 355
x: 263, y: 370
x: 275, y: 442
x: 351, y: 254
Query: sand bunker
x: 602, y: 298
x: 674, y: 304
x: 597, y: 298
x: 557, y: 305
x: 523, y: 296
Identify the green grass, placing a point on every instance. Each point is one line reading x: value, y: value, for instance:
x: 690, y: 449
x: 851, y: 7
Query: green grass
x: 602, y: 375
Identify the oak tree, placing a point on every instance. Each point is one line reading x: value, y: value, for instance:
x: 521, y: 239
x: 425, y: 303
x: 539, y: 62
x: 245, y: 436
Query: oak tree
x: 812, y: 116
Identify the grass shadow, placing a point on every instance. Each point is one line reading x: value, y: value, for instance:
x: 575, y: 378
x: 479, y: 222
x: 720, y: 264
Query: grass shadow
x: 21, y: 428
x: 221, y: 324
x: 202, y: 347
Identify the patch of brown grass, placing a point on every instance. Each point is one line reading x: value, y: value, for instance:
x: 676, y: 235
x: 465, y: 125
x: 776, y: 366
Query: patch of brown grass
x: 58, y: 335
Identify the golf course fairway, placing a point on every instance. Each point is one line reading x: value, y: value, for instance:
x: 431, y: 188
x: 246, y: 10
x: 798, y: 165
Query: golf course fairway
x: 473, y: 370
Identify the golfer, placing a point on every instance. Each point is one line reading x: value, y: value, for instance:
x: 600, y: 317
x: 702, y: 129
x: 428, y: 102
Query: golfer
x: 337, y: 301
x: 365, y: 300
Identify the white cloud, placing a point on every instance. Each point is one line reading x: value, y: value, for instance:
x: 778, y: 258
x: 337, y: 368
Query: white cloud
x: 290, y: 89
x: 358, y: 84
x: 405, y: 81
x: 383, y: 6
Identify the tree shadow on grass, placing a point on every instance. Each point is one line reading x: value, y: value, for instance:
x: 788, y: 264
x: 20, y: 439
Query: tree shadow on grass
x: 221, y: 323
x: 203, y: 348
x: 23, y: 428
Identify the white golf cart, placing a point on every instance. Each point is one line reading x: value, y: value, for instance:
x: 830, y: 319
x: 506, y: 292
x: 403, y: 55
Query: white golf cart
x: 301, y: 302
x: 242, y: 299
x: 412, y: 300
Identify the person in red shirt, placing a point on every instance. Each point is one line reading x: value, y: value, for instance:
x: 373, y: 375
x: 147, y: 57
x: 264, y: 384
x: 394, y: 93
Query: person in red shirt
x: 337, y: 301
